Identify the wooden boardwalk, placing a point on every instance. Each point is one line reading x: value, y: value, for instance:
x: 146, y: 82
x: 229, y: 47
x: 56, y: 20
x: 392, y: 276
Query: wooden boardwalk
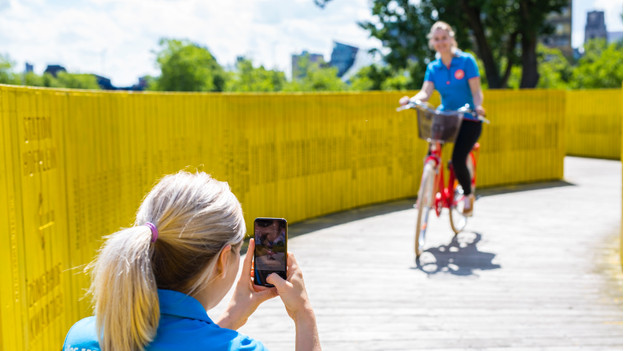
x: 537, y: 269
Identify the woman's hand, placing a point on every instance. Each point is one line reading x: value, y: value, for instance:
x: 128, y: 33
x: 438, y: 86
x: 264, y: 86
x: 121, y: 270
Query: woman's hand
x: 404, y: 100
x: 480, y: 111
x: 293, y: 293
x: 247, y: 296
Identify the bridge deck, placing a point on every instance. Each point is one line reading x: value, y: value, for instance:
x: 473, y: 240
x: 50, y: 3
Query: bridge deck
x: 538, y: 268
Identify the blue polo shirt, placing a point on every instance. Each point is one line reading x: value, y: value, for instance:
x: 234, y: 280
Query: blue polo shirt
x: 452, y: 82
x: 184, y: 325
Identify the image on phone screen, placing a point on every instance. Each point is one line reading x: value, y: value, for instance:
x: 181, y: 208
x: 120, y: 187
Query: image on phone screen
x: 270, y: 235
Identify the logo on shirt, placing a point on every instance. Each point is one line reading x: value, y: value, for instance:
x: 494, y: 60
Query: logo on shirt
x: 459, y: 74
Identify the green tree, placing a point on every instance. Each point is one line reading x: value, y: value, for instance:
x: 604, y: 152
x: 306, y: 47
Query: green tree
x: 377, y: 77
x: 77, y: 81
x: 503, y: 33
x: 369, y: 78
x: 7, y: 76
x: 187, y: 66
x: 314, y: 77
x: 600, y: 66
x: 247, y: 78
x: 32, y: 79
x: 555, y: 71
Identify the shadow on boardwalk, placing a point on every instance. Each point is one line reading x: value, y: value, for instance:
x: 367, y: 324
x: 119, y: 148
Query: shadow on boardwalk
x: 460, y: 257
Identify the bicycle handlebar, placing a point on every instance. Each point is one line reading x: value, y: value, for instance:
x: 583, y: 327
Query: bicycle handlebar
x: 416, y: 104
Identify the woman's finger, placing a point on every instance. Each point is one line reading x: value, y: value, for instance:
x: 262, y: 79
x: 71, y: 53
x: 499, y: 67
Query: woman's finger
x: 247, y: 263
x: 266, y: 294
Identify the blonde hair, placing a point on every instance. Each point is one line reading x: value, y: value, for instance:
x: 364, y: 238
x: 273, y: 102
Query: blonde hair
x: 196, y: 216
x: 443, y: 26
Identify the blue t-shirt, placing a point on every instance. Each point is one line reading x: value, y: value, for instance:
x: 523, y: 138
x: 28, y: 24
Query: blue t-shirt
x: 184, y: 325
x: 452, y: 82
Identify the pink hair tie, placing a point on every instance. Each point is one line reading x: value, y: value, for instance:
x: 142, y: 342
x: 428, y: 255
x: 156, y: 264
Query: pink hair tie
x: 154, y: 230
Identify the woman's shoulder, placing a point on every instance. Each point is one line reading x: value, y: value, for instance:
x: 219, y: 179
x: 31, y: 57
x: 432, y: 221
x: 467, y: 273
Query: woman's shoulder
x: 82, y: 335
x: 465, y: 55
x: 436, y: 62
x: 190, y: 334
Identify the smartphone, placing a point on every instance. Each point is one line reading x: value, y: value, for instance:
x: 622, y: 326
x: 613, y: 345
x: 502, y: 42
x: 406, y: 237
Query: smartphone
x: 271, y: 238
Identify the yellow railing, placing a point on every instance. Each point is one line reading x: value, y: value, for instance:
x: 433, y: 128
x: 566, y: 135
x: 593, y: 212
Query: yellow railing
x: 76, y: 164
x: 594, y: 123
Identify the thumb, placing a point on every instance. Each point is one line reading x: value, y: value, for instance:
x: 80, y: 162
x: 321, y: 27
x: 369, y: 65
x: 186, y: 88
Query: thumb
x: 277, y: 281
x: 266, y: 294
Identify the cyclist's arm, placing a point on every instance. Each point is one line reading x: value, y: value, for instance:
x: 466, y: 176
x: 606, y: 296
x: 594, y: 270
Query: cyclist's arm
x: 425, y: 92
x: 477, y: 94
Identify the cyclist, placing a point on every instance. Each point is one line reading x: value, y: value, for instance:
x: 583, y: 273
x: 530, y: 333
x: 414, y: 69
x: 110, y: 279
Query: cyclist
x: 455, y: 75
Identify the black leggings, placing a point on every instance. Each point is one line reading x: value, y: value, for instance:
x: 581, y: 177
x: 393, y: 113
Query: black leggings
x: 469, y: 133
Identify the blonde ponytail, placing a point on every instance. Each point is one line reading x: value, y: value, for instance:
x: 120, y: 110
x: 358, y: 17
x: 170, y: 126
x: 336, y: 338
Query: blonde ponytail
x: 196, y: 217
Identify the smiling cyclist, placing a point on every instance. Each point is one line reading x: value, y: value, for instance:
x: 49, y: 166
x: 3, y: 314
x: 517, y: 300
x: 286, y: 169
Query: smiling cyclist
x: 455, y: 75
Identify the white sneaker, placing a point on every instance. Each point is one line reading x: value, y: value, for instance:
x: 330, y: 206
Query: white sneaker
x: 468, y: 205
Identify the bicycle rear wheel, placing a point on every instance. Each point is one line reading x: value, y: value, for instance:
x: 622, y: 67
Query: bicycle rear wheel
x: 424, y: 204
x: 456, y: 211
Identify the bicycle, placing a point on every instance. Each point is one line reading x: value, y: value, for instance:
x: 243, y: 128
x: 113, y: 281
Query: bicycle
x: 437, y: 128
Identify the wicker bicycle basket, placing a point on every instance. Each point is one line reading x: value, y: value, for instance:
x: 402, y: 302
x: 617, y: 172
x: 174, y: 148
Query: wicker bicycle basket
x: 438, y: 125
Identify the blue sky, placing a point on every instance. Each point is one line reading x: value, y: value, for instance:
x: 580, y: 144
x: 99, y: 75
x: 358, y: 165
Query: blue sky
x: 117, y: 38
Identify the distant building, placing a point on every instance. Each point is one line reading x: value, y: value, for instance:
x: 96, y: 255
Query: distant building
x: 297, y: 70
x: 362, y: 59
x: 28, y: 68
x: 595, y: 26
x: 104, y: 83
x: 142, y: 84
x: 343, y: 57
x: 561, y: 38
x: 54, y: 70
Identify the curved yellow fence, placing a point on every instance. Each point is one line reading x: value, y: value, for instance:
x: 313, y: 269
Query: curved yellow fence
x: 76, y: 164
x: 594, y: 123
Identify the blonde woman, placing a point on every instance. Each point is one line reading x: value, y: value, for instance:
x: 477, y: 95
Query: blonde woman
x: 153, y: 283
x: 455, y: 75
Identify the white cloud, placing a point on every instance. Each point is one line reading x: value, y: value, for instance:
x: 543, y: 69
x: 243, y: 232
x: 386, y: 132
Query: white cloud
x: 117, y: 38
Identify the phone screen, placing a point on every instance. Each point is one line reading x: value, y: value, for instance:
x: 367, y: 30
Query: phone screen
x: 270, y: 235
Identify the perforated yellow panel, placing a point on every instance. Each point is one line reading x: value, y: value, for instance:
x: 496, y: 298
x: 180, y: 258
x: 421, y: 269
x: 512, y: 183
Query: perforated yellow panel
x: 594, y: 123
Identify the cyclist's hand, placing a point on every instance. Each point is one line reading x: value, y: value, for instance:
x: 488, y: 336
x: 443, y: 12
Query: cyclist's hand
x: 404, y: 100
x: 480, y: 111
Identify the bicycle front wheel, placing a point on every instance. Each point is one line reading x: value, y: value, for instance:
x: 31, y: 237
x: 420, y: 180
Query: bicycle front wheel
x: 456, y: 211
x: 424, y: 203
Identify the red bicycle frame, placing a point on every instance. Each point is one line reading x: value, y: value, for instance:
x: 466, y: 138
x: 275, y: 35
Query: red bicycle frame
x: 444, y: 195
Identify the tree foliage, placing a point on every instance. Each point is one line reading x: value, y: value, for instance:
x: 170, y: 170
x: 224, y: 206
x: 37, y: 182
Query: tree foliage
x: 555, y: 70
x: 76, y: 81
x: 600, y: 67
x: 503, y: 33
x: 187, y: 66
x: 6, y: 71
x: 313, y: 76
x: 63, y: 80
x: 247, y: 78
x: 378, y: 77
